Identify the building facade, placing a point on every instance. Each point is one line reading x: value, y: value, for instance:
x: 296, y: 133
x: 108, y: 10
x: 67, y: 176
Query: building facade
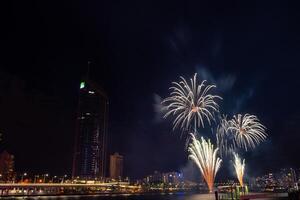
x: 89, y: 160
x: 7, y: 166
x: 116, y: 166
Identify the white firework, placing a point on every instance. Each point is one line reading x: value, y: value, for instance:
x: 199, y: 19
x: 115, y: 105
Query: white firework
x: 247, y: 131
x: 205, y: 156
x: 239, y: 167
x: 225, y: 140
x: 190, y: 104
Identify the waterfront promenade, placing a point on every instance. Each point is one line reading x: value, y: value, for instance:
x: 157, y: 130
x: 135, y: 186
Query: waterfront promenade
x: 40, y: 189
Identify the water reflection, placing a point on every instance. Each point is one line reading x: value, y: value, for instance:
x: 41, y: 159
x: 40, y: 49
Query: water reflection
x: 177, y: 196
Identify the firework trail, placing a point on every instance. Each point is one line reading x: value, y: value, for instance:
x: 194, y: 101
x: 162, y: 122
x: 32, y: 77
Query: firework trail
x: 205, y: 156
x: 190, y: 103
x: 239, y: 167
x: 247, y: 131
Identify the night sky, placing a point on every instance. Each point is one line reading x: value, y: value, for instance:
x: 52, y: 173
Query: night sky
x: 249, y: 49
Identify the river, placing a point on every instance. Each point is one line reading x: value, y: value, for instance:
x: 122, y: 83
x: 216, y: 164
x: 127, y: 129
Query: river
x: 177, y: 196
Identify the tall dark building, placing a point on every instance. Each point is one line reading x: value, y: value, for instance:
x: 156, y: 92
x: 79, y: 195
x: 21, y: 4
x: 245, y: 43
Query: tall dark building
x: 89, y: 159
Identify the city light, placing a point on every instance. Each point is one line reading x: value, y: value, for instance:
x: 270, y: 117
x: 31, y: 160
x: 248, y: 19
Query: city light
x: 82, y: 84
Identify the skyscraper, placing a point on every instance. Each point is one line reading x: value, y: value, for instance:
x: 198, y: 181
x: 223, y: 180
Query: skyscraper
x: 116, y: 166
x: 89, y: 159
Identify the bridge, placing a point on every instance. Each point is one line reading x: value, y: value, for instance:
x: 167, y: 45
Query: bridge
x: 39, y: 189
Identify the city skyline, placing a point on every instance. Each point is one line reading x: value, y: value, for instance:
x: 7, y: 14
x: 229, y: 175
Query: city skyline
x: 253, y: 62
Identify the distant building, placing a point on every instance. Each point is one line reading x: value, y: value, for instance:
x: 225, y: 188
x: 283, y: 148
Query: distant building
x: 298, y: 175
x: 281, y: 181
x: 287, y: 178
x: 172, y: 178
x: 116, y: 166
x: 89, y: 160
x: 7, y: 166
x: 155, y: 178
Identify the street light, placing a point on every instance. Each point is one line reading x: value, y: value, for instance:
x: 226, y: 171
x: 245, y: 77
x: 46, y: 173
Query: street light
x: 63, y: 179
x: 45, y: 175
x: 53, y: 177
x: 24, y: 174
x: 35, y: 177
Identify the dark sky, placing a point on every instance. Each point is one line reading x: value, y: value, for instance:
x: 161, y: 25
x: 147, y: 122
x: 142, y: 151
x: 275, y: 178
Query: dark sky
x: 249, y: 49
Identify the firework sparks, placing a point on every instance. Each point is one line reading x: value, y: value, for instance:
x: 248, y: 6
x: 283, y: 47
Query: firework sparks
x: 191, y: 104
x: 247, y: 131
x: 205, y: 156
x: 225, y: 140
x: 239, y: 167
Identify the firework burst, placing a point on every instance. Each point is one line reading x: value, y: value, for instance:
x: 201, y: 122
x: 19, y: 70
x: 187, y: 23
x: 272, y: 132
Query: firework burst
x: 225, y: 140
x: 239, y: 167
x: 190, y: 103
x: 205, y: 156
x: 247, y: 131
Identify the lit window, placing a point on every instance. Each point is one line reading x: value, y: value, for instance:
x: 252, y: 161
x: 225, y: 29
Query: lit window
x: 82, y: 84
x: 91, y: 92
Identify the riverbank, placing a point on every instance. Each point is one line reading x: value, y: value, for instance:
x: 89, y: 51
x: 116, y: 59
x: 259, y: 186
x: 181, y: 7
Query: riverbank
x: 145, y: 195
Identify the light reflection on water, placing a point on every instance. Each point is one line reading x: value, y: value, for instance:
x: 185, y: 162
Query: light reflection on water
x: 178, y: 196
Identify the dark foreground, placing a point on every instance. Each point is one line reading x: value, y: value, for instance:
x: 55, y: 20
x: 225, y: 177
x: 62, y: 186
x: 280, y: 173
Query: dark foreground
x: 177, y: 196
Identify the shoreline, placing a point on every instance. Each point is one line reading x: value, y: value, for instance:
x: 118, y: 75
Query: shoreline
x: 120, y: 194
x: 101, y: 194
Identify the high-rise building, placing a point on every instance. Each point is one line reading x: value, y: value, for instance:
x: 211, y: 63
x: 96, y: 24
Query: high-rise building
x: 7, y: 166
x: 89, y: 159
x: 116, y: 166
